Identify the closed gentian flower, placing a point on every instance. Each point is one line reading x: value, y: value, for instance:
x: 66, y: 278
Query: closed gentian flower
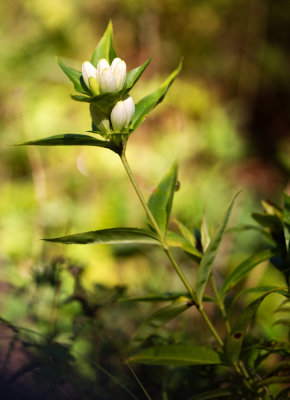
x: 102, y: 64
x: 122, y: 114
x: 119, y: 116
x: 100, y: 120
x: 119, y: 69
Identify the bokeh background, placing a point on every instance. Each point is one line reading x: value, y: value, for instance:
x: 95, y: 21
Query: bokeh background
x: 225, y: 119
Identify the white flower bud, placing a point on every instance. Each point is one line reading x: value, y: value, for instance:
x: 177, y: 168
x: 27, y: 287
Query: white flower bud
x: 119, y: 116
x: 102, y: 64
x: 107, y: 81
x: 119, y: 69
x: 88, y: 71
x: 100, y: 119
x: 130, y: 109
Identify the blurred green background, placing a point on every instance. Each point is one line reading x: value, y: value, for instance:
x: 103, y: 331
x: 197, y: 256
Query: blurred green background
x: 225, y: 119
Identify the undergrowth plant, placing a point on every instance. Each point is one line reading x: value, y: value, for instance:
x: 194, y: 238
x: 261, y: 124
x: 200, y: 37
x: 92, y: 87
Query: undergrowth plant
x: 235, y: 363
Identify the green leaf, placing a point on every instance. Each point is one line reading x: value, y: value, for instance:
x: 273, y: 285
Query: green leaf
x: 236, y: 337
x: 105, y: 48
x: 75, y: 76
x: 272, y: 222
x: 109, y: 236
x: 158, y: 319
x: 261, y: 289
x: 186, y: 233
x: 205, y: 267
x: 160, y: 202
x: 133, y: 75
x: 164, y: 297
x: 145, y: 105
x: 213, y: 394
x: 175, y: 240
x: 286, y: 216
x: 176, y: 355
x: 244, y: 268
x: 72, y: 139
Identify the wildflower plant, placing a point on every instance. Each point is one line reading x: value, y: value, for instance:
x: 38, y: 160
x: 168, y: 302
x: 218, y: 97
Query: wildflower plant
x: 105, y: 84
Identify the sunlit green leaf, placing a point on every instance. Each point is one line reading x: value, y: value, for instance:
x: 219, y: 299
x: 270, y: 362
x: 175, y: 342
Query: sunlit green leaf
x: 133, y: 75
x: 105, y: 48
x: 244, y: 268
x: 175, y: 240
x: 75, y: 76
x: 236, y: 337
x: 72, y: 139
x: 260, y: 289
x: 109, y: 236
x: 204, y: 234
x: 160, y: 318
x: 144, y: 106
x: 213, y: 394
x: 176, y: 355
x: 186, y: 233
x: 205, y: 267
x: 160, y: 202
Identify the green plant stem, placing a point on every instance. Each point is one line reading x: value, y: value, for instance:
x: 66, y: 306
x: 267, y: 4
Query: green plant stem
x: 220, y: 303
x: 166, y: 249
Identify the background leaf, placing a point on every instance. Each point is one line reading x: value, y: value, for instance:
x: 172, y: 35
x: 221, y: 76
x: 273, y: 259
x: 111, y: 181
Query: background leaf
x: 145, y: 105
x: 286, y: 216
x: 108, y: 236
x: 176, y: 355
x: 105, y: 48
x: 160, y: 202
x: 159, y: 318
x: 175, y: 240
x: 236, y: 337
x: 244, y: 268
x: 72, y: 139
x: 207, y: 260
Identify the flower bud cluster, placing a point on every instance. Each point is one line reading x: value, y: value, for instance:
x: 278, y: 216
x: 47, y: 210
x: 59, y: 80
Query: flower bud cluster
x: 109, y: 79
x: 119, y: 118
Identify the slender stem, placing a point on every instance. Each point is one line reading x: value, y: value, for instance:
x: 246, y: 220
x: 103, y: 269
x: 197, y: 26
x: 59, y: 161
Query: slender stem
x: 141, y: 198
x: 220, y: 303
x: 210, y: 325
x: 167, y: 250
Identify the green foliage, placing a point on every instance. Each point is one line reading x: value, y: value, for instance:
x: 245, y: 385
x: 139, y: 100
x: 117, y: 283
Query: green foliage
x: 109, y: 236
x: 208, y: 258
x: 176, y: 355
x: 160, y: 202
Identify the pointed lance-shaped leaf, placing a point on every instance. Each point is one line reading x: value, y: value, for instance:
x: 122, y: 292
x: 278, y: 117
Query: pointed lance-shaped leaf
x: 75, y: 77
x: 145, y: 105
x: 158, y: 319
x: 72, y: 139
x: 244, y: 268
x: 133, y: 75
x: 160, y: 202
x: 105, y: 47
x: 176, y: 355
x: 109, y: 236
x: 205, y: 267
x: 236, y: 337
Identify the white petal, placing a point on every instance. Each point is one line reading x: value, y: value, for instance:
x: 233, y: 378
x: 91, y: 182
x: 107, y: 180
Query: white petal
x: 100, y: 119
x: 88, y: 71
x: 119, y: 116
x: 102, y: 64
x: 130, y: 108
x: 119, y: 70
x: 107, y: 81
